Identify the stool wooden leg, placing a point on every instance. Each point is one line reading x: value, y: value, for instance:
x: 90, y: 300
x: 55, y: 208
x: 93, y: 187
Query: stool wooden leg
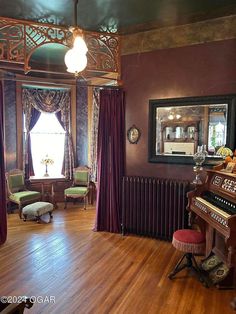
x: 50, y: 216
x: 195, y: 263
x: 191, y: 264
x: 202, y: 278
x: 178, y: 268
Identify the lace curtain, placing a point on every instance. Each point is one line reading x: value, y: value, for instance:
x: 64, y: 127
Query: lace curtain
x: 52, y: 101
x: 94, y: 134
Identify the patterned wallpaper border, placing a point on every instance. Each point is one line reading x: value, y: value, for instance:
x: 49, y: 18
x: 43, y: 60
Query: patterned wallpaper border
x: 179, y: 36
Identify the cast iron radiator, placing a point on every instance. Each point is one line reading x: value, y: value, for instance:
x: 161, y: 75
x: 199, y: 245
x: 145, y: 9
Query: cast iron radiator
x: 154, y: 207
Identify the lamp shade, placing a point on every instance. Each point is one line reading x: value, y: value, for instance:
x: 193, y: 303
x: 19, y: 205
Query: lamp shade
x: 224, y: 151
x: 75, y: 60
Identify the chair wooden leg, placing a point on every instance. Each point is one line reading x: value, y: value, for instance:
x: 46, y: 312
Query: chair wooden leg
x: 9, y: 210
x: 65, y: 206
x: 85, y: 203
x: 20, y: 211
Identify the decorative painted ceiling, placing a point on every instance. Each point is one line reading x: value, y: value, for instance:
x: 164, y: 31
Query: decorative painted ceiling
x: 124, y: 16
x: 109, y: 16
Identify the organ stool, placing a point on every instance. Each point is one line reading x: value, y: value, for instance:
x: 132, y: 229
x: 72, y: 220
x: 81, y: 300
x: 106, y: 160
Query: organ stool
x: 191, y: 242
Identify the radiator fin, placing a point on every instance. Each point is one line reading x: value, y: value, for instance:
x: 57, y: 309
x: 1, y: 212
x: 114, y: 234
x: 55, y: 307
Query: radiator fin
x: 154, y: 207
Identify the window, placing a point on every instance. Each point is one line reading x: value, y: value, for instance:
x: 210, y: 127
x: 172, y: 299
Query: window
x: 217, y: 128
x: 47, y: 139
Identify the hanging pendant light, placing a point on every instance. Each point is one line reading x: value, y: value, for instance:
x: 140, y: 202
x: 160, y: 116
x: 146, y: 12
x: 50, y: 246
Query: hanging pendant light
x: 75, y: 58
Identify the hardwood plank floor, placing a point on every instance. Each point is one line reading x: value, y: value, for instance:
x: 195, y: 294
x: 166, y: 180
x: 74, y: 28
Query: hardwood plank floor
x: 98, y: 272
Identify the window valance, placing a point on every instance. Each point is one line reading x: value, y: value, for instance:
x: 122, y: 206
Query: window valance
x: 46, y: 100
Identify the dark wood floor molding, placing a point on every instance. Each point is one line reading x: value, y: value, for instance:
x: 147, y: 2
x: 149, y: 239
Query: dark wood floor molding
x: 98, y: 272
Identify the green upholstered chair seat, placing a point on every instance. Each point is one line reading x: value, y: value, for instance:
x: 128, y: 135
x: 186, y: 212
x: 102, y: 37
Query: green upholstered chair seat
x: 76, y: 190
x: 80, y: 187
x: 24, y: 196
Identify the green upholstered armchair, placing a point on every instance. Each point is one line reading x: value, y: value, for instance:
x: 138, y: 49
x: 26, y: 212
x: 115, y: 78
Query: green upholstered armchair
x: 17, y: 192
x: 80, y: 187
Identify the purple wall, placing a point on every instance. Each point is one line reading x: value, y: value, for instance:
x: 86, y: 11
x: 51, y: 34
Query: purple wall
x: 198, y: 70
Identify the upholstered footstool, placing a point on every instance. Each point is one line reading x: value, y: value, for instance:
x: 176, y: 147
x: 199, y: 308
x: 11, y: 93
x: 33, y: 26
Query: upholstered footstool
x: 37, y: 209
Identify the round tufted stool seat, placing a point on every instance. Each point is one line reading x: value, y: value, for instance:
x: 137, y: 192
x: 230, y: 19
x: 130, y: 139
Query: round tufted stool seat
x: 191, y: 242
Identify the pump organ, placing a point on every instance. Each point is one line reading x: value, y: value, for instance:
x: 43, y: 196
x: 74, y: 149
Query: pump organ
x: 214, y: 206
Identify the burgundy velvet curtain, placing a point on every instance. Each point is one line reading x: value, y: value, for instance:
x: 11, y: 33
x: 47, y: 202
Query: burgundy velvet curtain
x: 29, y: 169
x: 110, y: 152
x: 3, y: 210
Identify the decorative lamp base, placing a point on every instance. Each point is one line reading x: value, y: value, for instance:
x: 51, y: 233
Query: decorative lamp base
x: 197, y: 170
x: 46, y: 171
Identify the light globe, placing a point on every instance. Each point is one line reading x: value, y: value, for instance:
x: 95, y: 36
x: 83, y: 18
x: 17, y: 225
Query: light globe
x: 75, y: 61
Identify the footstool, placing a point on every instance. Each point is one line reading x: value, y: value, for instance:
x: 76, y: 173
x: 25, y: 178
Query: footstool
x: 37, y: 210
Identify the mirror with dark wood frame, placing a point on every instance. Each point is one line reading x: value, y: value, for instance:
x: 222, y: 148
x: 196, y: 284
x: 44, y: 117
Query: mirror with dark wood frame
x: 178, y: 126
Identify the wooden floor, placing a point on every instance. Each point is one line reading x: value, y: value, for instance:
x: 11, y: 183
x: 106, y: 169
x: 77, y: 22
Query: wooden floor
x: 91, y: 272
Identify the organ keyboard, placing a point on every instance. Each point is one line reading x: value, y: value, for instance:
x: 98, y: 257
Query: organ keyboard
x: 214, y: 206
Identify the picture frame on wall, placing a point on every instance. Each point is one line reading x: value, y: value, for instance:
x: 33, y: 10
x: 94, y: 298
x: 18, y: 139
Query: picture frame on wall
x: 133, y: 134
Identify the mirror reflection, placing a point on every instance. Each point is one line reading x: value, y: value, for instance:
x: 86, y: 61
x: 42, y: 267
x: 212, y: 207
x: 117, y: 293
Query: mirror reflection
x: 177, y: 126
x: 181, y: 129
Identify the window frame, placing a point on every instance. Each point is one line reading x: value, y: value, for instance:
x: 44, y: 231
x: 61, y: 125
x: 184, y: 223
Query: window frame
x: 19, y: 117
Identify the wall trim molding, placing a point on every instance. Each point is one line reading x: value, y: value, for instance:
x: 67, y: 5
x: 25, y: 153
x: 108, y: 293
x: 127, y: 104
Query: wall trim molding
x: 222, y: 28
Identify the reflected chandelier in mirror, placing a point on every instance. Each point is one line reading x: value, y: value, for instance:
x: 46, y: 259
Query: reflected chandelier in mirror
x: 178, y: 126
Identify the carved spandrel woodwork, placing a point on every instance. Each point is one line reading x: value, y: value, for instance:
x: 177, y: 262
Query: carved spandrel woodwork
x: 19, y: 39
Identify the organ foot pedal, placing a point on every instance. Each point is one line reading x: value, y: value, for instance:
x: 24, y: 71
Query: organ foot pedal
x: 216, y: 272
